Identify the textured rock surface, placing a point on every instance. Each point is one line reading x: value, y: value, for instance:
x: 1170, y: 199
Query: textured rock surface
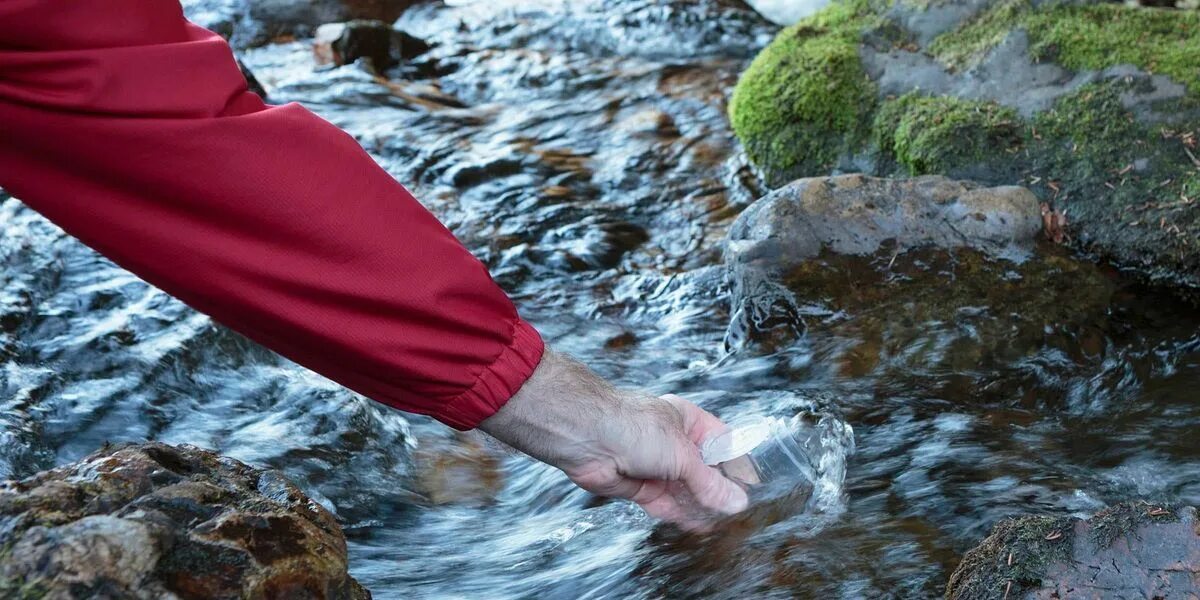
x: 160, y: 521
x: 1093, y: 106
x: 856, y: 214
x: 1132, y: 550
x: 927, y: 273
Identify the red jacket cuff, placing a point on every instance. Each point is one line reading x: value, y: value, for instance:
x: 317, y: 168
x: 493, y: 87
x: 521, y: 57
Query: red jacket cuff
x: 498, y: 382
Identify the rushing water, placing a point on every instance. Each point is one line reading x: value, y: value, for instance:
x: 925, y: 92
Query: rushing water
x: 581, y: 150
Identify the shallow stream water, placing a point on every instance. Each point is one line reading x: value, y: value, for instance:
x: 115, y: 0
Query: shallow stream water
x: 582, y: 151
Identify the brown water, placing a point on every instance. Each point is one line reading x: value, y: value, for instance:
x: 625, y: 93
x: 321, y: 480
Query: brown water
x: 582, y: 151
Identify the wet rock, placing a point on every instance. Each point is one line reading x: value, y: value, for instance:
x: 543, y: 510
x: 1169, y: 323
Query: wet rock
x: 1094, y: 106
x: 385, y: 47
x: 856, y: 214
x: 1132, y: 550
x: 921, y: 277
x: 786, y: 12
x: 247, y: 23
x: 156, y: 521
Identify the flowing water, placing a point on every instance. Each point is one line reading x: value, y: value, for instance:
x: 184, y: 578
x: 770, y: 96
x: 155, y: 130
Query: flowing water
x: 581, y: 150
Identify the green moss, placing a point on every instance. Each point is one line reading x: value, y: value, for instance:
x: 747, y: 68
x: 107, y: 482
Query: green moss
x: 970, y: 41
x: 1190, y: 189
x: 1101, y: 35
x: 805, y: 99
x: 1013, y: 557
x: 940, y: 134
x: 1086, y: 138
x: 1091, y: 36
x: 20, y: 589
x: 1087, y: 147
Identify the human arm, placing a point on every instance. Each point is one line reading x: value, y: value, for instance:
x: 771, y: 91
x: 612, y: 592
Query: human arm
x: 618, y: 443
x: 132, y: 130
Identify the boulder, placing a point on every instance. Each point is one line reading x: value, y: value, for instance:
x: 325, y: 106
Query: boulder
x: 1095, y: 106
x: 158, y: 521
x: 385, y: 47
x: 857, y: 214
x: 461, y: 470
x: 918, y: 277
x: 1132, y: 550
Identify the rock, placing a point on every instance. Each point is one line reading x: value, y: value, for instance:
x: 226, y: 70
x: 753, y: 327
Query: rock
x: 855, y: 214
x: 786, y: 12
x: 918, y: 277
x: 158, y: 521
x: 247, y: 23
x: 1094, y: 106
x: 1132, y: 550
x: 344, y: 43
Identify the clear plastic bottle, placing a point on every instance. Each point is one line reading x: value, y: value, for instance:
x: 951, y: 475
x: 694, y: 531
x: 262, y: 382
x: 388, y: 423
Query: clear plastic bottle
x: 771, y: 456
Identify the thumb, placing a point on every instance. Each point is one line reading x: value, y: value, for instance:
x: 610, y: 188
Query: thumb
x: 712, y: 490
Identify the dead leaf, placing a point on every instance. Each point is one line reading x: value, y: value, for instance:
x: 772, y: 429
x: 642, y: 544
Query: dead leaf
x: 1054, y: 224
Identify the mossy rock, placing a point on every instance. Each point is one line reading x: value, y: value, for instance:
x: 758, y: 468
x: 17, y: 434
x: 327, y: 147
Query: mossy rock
x: 1089, y: 36
x: 1095, y: 107
x: 806, y: 99
x: 930, y: 134
x: 1130, y: 550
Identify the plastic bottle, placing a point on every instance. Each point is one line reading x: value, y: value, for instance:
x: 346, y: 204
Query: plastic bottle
x: 767, y: 455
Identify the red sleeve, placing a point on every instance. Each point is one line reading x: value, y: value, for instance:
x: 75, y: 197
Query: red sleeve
x: 132, y: 130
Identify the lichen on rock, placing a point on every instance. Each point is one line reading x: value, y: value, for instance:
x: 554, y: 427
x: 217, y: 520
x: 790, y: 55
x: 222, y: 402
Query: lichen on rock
x: 1130, y: 550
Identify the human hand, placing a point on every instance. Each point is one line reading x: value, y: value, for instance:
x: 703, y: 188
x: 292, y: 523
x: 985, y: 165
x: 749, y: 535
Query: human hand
x: 618, y: 444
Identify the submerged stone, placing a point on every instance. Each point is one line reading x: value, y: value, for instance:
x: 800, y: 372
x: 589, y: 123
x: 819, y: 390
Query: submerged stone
x: 385, y: 47
x: 158, y: 521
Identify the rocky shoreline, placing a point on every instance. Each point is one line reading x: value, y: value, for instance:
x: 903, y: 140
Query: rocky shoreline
x: 155, y: 521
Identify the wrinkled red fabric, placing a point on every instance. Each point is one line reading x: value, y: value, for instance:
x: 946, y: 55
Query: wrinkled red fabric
x: 132, y: 129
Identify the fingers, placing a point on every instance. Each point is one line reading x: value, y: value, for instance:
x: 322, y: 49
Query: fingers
x: 712, y: 490
x: 660, y: 499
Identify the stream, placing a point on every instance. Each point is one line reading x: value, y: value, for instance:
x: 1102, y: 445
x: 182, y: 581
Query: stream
x: 582, y: 151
